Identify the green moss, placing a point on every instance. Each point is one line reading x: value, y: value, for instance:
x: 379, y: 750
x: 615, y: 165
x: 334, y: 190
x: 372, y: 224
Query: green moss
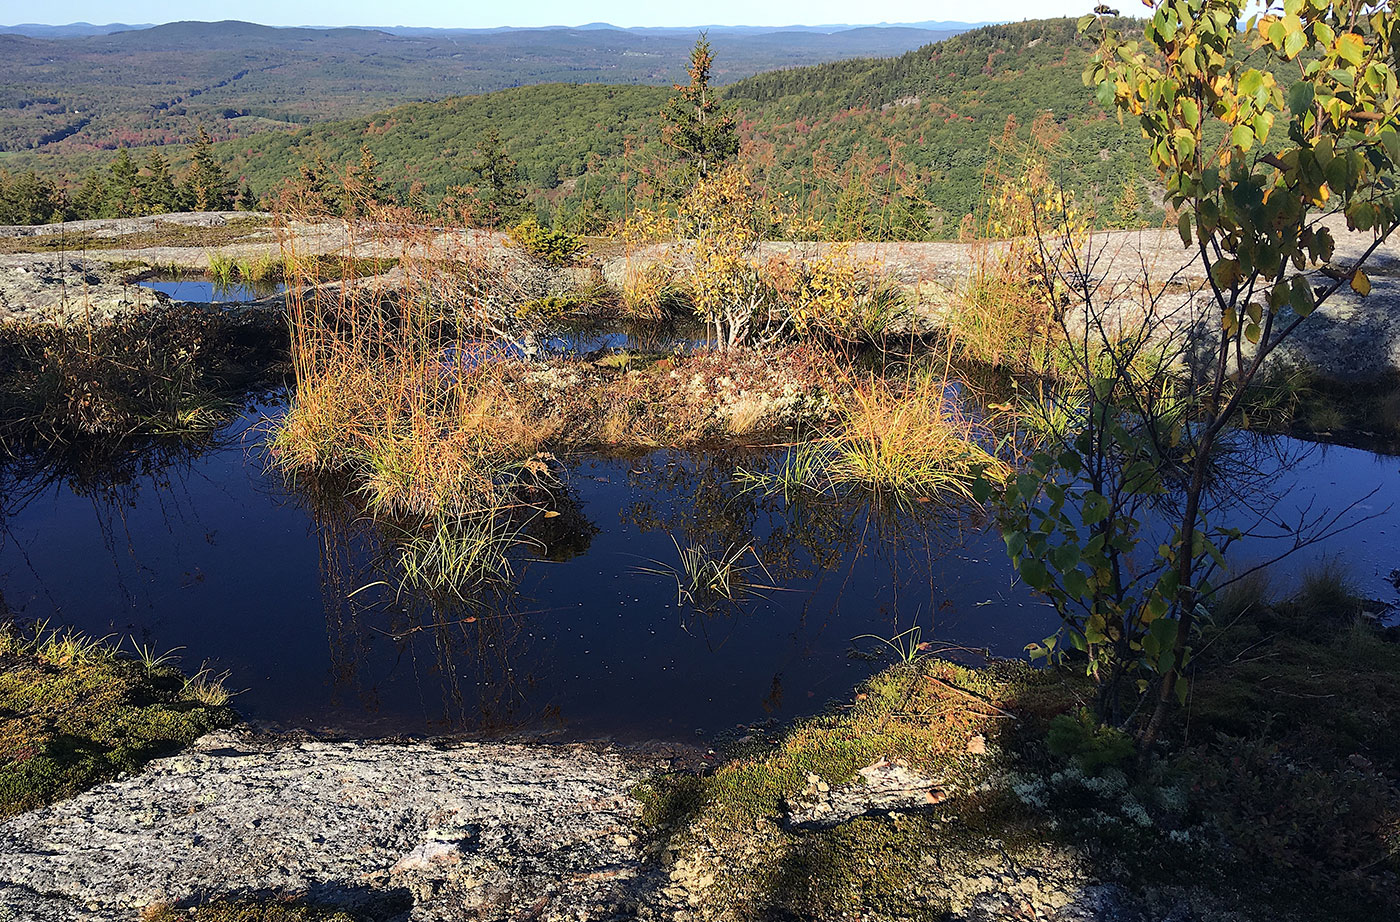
x: 1292, y: 750
x: 946, y: 722
x: 1274, y: 798
x: 249, y: 909
x: 70, y: 718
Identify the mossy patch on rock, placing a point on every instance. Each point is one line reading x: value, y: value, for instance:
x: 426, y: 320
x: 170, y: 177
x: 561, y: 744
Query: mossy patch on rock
x: 1283, y: 771
x: 74, y: 713
x: 735, y: 852
x: 249, y: 909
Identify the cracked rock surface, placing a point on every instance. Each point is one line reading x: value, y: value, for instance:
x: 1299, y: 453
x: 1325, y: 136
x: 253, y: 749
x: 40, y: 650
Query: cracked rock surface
x: 57, y: 288
x: 404, y: 831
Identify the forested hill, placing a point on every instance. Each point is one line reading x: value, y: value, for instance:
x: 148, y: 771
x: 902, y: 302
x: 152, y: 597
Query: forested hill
x: 69, y: 94
x: 940, y: 109
x: 865, y: 148
x: 806, y: 131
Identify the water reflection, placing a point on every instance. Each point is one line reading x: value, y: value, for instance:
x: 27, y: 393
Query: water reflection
x: 296, y: 592
x: 198, y: 291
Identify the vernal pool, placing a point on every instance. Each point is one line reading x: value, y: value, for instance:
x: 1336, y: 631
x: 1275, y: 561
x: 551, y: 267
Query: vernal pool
x: 208, y: 552
x: 201, y: 291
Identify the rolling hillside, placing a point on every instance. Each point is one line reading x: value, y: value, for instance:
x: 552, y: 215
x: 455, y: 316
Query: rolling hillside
x: 153, y: 85
x: 939, y: 108
x: 865, y: 148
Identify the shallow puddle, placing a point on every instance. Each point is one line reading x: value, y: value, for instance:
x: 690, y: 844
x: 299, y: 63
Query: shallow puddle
x: 198, y: 291
x: 213, y: 555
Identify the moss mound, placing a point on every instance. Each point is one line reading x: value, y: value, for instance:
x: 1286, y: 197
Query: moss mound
x: 74, y: 713
x: 248, y: 909
x: 1277, y: 797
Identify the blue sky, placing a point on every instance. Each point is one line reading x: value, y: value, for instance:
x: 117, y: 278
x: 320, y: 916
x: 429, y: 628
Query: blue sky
x: 476, y: 13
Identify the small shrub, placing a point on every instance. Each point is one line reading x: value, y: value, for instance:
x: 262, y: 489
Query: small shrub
x: 555, y: 247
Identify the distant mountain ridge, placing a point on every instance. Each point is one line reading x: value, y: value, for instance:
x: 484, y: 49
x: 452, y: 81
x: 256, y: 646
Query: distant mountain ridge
x: 154, y: 86
x: 69, y: 30
x: 874, y: 148
x: 83, y: 29
x: 919, y: 128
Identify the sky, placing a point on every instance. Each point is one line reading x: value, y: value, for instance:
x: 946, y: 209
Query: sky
x: 479, y: 14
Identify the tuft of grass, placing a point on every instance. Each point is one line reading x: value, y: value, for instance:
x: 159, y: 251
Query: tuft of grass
x: 907, y: 646
x: 261, y: 270
x: 907, y: 438
x: 652, y: 291
x: 207, y: 688
x: 150, y: 660
x: 1327, y: 594
x: 223, y: 270
x: 707, y: 579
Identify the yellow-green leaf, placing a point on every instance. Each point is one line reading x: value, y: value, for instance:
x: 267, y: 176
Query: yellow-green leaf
x: 1294, y: 43
x: 1351, y: 48
x: 1190, y: 113
x: 1360, y: 283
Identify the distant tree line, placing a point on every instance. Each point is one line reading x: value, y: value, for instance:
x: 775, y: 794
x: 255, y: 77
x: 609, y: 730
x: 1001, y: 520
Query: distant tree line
x: 127, y: 188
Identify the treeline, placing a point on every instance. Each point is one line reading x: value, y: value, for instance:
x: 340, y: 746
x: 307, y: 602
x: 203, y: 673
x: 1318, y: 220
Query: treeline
x: 125, y: 189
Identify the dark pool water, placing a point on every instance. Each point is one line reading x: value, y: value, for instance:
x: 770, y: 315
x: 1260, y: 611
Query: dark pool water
x: 205, y: 292
x: 212, y: 554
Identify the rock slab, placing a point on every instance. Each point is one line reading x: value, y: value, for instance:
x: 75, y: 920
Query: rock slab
x: 408, y: 831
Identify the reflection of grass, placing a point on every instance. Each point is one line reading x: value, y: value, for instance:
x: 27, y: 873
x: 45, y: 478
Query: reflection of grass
x: 455, y: 554
x: 74, y: 712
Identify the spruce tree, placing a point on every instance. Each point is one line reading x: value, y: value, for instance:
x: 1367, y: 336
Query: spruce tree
x: 207, y: 186
x: 158, y: 192
x: 697, y: 129
x: 124, y: 187
x: 29, y: 199
x: 90, y: 201
x: 364, y: 186
x: 319, y: 191
x: 247, y: 201
x: 1127, y: 208
x: 494, y: 179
